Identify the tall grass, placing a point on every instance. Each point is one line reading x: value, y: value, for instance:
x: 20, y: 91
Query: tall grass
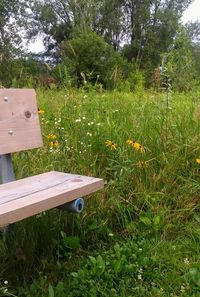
x: 155, y: 192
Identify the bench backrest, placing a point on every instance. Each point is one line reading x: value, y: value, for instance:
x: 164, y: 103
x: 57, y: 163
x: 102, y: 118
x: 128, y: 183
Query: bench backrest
x: 19, y: 122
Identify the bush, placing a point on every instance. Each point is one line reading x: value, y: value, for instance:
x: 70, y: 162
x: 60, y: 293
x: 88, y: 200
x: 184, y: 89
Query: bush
x: 89, y: 59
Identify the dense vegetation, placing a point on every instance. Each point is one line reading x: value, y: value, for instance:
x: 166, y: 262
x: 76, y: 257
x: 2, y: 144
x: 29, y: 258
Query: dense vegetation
x: 118, y: 97
x: 138, y: 237
x: 106, y: 42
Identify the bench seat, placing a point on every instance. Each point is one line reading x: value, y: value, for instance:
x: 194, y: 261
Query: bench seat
x: 29, y: 196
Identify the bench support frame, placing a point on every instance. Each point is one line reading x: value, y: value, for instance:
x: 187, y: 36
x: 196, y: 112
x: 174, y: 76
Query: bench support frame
x: 6, y: 169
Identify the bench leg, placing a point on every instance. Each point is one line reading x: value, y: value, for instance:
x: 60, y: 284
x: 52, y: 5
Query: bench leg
x: 6, y: 176
x: 6, y: 169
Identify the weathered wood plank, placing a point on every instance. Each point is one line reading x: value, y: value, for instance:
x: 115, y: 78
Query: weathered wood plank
x: 19, y: 123
x: 32, y: 195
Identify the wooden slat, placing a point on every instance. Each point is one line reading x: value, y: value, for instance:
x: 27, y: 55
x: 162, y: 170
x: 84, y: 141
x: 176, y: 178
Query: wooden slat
x: 32, y: 195
x: 19, y: 123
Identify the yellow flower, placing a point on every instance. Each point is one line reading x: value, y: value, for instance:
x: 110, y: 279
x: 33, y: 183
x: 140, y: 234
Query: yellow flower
x: 111, y: 144
x: 198, y: 161
x: 131, y: 142
x: 54, y: 144
x: 51, y: 136
x: 40, y: 111
x: 136, y: 145
x: 142, y: 164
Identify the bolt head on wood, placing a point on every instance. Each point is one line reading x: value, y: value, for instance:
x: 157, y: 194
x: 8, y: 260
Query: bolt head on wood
x: 10, y: 132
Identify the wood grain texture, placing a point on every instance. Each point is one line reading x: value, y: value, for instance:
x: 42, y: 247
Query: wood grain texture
x: 19, y: 123
x: 30, y: 196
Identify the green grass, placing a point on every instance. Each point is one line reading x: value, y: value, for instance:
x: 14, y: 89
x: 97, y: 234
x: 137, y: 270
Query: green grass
x: 140, y: 235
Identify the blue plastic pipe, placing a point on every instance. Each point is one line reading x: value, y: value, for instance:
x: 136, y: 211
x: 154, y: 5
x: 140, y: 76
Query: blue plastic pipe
x: 75, y: 206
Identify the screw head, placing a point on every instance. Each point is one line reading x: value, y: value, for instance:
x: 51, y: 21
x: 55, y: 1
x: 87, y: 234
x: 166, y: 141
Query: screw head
x: 10, y: 132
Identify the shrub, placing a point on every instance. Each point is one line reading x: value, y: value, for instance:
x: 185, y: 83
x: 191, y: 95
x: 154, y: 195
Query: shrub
x: 89, y: 59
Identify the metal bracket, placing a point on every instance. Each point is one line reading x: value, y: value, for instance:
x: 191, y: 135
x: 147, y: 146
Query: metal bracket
x: 6, y: 176
x: 6, y: 169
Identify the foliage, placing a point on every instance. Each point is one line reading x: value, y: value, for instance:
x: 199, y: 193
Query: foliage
x: 180, y: 63
x: 146, y: 28
x: 90, y: 59
x: 138, y: 31
x: 12, y: 18
x: 151, y: 195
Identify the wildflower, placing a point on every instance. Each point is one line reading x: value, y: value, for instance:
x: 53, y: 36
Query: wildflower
x: 131, y: 142
x: 54, y: 144
x: 136, y: 145
x: 5, y: 282
x: 110, y: 234
x: 78, y: 120
x: 111, y: 144
x: 40, y: 111
x: 141, y: 164
x: 182, y: 289
x: 186, y: 261
x: 139, y: 276
x: 51, y: 136
x: 198, y: 161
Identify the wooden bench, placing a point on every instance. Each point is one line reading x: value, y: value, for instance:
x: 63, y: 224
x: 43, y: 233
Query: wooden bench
x: 20, y: 130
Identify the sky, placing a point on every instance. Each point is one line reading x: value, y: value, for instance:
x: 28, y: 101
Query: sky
x: 191, y: 14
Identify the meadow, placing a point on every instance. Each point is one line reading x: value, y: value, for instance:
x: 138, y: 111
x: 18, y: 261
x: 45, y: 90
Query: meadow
x: 140, y: 236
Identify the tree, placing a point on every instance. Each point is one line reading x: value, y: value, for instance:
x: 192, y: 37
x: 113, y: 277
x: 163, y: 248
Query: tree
x: 152, y: 25
x: 89, y: 58
x: 12, y: 16
x: 179, y: 63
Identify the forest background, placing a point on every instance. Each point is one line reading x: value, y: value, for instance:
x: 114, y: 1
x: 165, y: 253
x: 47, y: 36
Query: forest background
x: 110, y: 43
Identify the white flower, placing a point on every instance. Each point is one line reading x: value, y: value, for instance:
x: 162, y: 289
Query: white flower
x: 5, y: 282
x: 182, y: 289
x: 139, y: 276
x: 111, y: 234
x: 186, y: 261
x: 78, y: 120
